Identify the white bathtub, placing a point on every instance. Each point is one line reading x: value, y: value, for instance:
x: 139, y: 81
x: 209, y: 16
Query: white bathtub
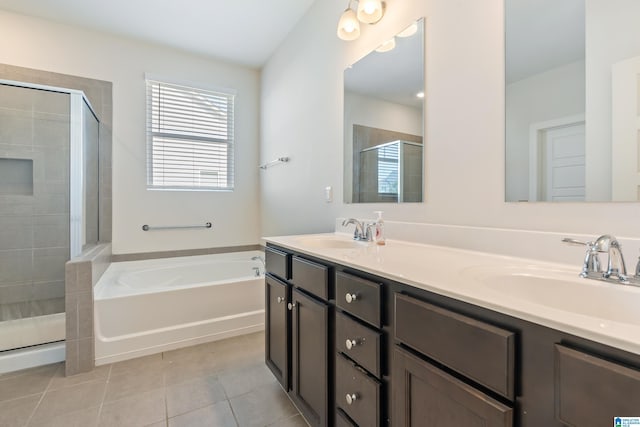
x: 145, y: 307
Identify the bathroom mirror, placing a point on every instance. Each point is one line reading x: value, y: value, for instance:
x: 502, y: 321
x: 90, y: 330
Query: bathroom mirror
x: 572, y: 107
x: 383, y: 122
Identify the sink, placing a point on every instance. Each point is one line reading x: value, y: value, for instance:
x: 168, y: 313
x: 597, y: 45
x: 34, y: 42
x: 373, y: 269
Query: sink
x: 330, y: 242
x: 566, y: 292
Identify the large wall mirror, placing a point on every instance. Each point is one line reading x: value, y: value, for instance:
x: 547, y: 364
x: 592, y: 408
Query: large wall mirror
x: 383, y: 122
x: 572, y: 119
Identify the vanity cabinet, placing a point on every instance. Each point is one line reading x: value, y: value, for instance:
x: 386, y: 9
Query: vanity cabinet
x: 297, y: 322
x: 590, y: 391
x: 360, y: 350
x: 277, y: 329
x: 358, y: 342
x: 424, y: 395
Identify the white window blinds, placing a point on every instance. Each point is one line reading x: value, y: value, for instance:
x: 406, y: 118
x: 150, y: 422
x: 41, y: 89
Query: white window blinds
x: 189, y: 138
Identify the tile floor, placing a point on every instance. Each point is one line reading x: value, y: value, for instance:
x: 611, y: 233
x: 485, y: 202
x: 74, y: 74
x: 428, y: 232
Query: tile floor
x: 224, y: 383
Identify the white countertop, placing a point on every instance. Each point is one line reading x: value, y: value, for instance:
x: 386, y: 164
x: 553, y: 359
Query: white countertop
x: 555, y: 296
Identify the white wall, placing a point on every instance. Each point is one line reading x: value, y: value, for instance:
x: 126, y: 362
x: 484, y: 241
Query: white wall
x: 367, y: 111
x: 554, y: 94
x: 35, y: 43
x: 301, y: 109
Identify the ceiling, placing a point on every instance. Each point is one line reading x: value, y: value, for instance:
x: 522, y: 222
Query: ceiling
x: 246, y: 32
x: 542, y: 34
x: 395, y: 76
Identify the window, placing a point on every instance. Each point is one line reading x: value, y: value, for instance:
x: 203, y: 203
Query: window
x: 388, y: 169
x: 189, y: 138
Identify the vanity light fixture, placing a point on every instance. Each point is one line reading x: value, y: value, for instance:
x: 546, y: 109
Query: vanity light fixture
x: 348, y: 25
x: 387, y: 46
x: 367, y: 12
x: 409, y: 31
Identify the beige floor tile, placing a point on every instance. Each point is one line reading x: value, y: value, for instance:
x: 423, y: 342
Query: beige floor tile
x: 16, y: 412
x: 131, y: 383
x: 27, y: 382
x: 69, y: 399
x: 240, y: 381
x: 139, y: 410
x: 188, y: 370
x: 217, y: 415
x: 263, y: 406
x: 59, y: 380
x: 294, y: 421
x: 188, y: 396
x: 138, y: 365
x: 84, y: 418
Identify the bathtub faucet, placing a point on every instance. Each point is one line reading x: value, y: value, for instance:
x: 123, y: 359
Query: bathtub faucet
x: 256, y: 269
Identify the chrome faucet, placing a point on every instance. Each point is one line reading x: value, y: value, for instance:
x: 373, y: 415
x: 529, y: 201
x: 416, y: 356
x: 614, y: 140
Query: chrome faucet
x: 257, y: 269
x: 615, y: 265
x: 362, y: 231
x: 616, y: 270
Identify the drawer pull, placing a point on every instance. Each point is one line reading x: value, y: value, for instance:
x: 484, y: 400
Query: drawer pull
x: 350, y: 298
x: 351, y: 343
x: 280, y: 300
x: 350, y: 398
x: 291, y: 306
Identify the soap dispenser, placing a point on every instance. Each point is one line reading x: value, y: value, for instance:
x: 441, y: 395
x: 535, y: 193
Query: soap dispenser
x: 378, y: 236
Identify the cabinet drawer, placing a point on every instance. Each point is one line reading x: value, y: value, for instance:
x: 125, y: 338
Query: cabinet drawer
x: 310, y: 276
x: 366, y: 348
x: 482, y: 352
x: 277, y: 262
x: 357, y: 394
x: 590, y: 391
x: 359, y: 297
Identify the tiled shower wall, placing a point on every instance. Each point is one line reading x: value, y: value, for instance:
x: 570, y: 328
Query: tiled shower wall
x: 75, y: 283
x: 34, y: 201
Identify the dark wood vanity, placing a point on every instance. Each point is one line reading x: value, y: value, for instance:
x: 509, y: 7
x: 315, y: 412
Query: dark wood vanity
x: 356, y: 349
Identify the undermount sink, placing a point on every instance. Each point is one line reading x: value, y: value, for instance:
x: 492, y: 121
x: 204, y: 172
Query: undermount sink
x: 566, y: 292
x: 330, y: 242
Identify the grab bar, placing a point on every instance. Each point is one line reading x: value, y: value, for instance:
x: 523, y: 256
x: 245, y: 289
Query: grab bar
x: 274, y: 162
x: 147, y: 227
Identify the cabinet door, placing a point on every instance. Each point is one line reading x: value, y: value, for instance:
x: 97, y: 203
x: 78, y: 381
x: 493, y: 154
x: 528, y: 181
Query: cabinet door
x: 309, y: 388
x: 277, y: 327
x: 424, y: 395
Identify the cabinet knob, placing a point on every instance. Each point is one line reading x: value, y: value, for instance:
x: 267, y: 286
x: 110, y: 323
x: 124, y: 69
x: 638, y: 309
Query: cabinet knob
x: 350, y: 298
x: 291, y: 306
x: 351, y: 398
x: 351, y: 343
x: 280, y: 300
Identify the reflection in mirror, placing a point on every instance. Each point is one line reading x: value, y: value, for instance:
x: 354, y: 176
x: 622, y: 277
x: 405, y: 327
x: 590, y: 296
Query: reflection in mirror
x: 383, y: 122
x: 572, y: 127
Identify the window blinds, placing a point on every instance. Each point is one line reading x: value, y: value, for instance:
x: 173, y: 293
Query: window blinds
x: 189, y: 138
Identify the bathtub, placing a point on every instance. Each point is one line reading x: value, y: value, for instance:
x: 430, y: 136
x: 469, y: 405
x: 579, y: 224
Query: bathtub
x: 150, y: 306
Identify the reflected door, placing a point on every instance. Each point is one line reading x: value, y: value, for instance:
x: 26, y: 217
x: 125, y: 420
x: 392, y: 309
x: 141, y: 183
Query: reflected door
x: 565, y: 164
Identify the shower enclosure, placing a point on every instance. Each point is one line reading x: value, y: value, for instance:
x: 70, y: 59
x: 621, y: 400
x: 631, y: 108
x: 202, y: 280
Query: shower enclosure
x: 391, y: 172
x: 49, y: 140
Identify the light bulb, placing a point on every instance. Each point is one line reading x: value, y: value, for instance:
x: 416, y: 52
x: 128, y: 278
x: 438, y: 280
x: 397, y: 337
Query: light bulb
x: 420, y: 95
x: 370, y: 11
x: 348, y: 25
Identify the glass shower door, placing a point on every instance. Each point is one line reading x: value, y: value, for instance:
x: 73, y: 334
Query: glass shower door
x: 34, y: 214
